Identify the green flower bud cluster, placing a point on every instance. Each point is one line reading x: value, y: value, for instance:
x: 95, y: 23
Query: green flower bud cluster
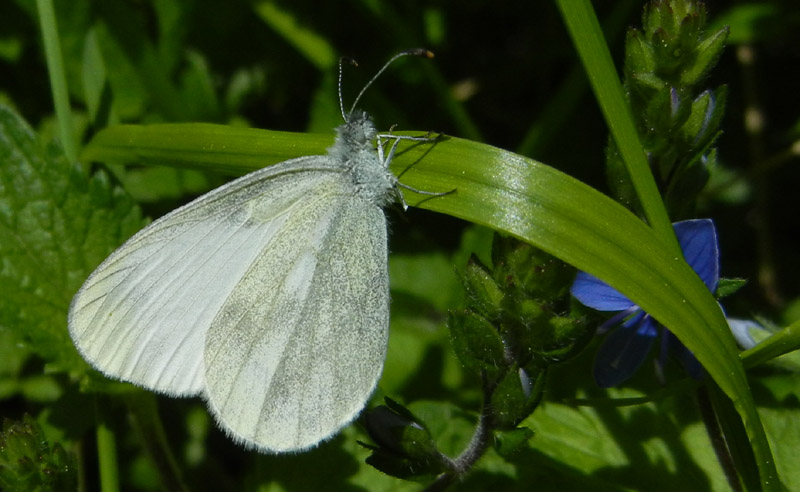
x: 678, y: 119
x: 515, y: 325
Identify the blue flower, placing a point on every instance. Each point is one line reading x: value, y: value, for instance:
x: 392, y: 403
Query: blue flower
x: 747, y: 333
x: 627, y: 347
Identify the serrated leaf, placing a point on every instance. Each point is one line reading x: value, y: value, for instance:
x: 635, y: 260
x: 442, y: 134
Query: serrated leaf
x: 56, y: 225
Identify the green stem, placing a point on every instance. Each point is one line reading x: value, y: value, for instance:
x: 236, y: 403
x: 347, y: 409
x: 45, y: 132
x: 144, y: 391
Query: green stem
x: 475, y: 449
x: 768, y: 275
x: 144, y: 413
x: 58, y: 79
x: 107, y: 458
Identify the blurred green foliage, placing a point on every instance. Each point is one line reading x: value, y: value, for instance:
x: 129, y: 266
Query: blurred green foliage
x: 504, y: 74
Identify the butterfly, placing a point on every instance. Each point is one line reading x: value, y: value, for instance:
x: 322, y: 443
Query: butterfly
x: 268, y: 296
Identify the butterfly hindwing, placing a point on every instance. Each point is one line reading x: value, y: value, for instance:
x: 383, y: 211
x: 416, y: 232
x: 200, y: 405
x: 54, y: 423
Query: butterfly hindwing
x: 292, y: 360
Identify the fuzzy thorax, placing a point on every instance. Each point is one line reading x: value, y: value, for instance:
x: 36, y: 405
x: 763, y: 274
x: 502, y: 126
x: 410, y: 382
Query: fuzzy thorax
x: 355, y: 148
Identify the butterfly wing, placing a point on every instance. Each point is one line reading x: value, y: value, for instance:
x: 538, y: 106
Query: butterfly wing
x: 142, y: 316
x: 292, y: 360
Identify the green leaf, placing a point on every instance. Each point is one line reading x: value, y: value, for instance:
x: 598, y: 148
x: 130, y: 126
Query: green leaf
x: 56, y: 225
x: 596, y: 58
x: 628, y: 446
x: 425, y: 277
x: 708, y: 52
x: 58, y: 78
x: 736, y: 439
x: 779, y: 395
x: 576, y: 436
x: 483, y: 293
x: 729, y: 286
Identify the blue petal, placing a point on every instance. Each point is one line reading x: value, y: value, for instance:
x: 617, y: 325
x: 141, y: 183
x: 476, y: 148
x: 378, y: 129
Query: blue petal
x: 743, y: 331
x: 623, y: 351
x: 698, y: 240
x: 593, y: 292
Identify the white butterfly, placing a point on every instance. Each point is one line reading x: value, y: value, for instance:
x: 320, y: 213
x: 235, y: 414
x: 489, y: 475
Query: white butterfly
x: 268, y: 296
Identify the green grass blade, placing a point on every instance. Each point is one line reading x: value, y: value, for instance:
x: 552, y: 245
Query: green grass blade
x: 58, y: 79
x: 493, y: 187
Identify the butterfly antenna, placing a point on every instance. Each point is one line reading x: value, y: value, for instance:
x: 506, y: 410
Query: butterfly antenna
x: 342, y: 60
x: 414, y: 52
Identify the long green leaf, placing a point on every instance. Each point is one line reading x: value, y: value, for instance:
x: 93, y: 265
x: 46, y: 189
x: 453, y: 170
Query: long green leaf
x: 499, y: 189
x: 508, y: 193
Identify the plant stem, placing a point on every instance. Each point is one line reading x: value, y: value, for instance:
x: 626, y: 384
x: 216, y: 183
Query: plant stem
x: 107, y: 458
x: 477, y: 446
x: 754, y: 123
x: 58, y: 78
x: 145, y: 417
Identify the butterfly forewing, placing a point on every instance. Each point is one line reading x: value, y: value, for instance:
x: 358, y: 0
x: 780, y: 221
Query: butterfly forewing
x: 144, y: 313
